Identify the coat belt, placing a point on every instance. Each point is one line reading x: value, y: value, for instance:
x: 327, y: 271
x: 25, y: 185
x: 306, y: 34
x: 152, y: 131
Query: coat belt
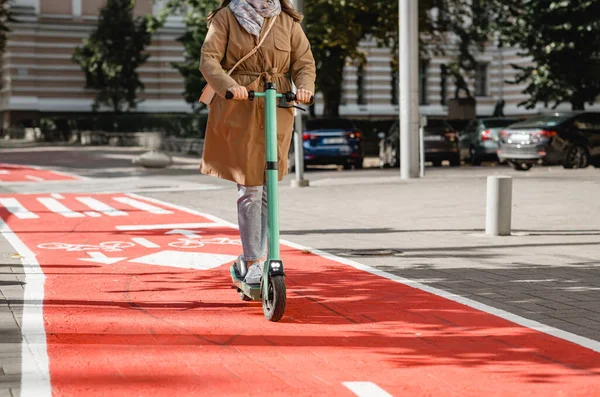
x: 267, y: 76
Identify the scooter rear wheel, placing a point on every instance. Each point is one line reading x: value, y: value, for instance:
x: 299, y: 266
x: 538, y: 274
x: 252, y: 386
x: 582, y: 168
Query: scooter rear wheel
x: 274, y: 307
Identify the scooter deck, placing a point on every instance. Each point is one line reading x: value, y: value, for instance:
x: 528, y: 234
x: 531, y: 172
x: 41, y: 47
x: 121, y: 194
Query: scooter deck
x: 250, y: 290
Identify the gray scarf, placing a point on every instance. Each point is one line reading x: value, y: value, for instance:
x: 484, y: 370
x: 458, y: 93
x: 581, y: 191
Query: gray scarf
x: 252, y: 13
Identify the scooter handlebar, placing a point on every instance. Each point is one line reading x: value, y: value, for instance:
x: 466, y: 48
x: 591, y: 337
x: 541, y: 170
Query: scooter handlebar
x: 289, y: 96
x: 229, y: 95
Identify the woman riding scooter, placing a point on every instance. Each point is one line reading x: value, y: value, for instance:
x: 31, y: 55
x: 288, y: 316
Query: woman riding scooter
x: 234, y: 146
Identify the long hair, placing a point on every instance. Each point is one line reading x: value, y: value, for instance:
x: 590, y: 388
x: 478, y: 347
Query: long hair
x: 286, y: 7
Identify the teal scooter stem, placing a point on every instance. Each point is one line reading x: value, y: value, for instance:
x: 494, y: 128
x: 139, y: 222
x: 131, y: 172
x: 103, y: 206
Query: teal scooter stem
x: 271, y: 290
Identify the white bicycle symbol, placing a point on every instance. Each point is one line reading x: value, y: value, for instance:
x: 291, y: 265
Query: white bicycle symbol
x: 108, y: 246
x: 187, y: 243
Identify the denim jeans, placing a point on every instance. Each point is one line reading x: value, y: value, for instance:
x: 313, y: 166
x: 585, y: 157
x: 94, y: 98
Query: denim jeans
x: 252, y: 220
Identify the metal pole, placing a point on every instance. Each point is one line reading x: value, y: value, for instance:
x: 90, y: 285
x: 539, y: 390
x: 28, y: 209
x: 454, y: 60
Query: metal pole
x: 499, y: 206
x: 409, y: 89
x: 422, y: 146
x: 501, y: 72
x: 299, y: 128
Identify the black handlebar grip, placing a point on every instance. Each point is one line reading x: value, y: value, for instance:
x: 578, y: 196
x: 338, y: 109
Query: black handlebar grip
x: 251, y: 95
x: 229, y: 95
x: 290, y: 96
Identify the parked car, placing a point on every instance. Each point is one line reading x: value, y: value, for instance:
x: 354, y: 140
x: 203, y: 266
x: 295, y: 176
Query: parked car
x: 331, y: 141
x: 478, y: 141
x: 571, y: 139
x: 439, y: 139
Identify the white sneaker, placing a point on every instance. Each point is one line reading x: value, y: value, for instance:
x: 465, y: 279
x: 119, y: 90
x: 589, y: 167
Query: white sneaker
x: 241, y: 266
x: 254, y: 274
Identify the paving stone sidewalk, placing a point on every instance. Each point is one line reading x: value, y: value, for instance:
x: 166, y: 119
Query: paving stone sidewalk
x: 11, y: 311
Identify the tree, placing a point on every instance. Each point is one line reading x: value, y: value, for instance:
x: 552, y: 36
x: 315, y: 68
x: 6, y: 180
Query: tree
x: 458, y: 28
x: 194, y: 14
x: 5, y: 18
x: 563, y: 40
x: 112, y: 54
x: 335, y: 29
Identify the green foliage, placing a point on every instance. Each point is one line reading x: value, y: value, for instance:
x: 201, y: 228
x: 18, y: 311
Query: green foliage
x: 5, y: 18
x: 112, y: 54
x: 563, y: 40
x: 194, y: 13
x: 336, y: 27
x: 176, y: 125
x: 443, y: 24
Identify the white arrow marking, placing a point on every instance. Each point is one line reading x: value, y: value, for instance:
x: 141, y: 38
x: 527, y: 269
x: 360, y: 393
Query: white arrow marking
x: 99, y: 257
x: 142, y: 206
x: 16, y: 208
x: 145, y: 242
x: 99, y: 206
x: 183, y: 232
x: 171, y: 226
x: 92, y: 214
x: 366, y: 389
x: 185, y: 260
x: 59, y: 208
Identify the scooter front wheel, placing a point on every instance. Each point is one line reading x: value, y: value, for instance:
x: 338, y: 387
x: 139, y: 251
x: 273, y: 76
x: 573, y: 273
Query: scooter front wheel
x: 274, y: 307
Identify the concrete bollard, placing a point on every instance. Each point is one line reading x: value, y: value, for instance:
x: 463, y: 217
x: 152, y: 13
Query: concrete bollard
x: 153, y: 159
x: 499, y: 206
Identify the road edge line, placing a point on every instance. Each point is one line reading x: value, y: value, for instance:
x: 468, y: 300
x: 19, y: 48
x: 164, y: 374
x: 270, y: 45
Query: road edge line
x: 514, y: 318
x: 63, y: 173
x: 35, y: 371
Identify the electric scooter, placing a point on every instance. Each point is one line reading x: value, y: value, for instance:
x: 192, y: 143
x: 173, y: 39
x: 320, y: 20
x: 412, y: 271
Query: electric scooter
x: 271, y: 290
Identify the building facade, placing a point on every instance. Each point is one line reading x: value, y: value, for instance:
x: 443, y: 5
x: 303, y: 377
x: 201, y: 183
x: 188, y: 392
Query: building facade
x: 39, y: 77
x: 372, y: 91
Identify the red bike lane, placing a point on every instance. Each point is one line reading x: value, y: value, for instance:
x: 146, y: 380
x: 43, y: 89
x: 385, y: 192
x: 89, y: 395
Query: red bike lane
x: 21, y: 173
x: 138, y: 301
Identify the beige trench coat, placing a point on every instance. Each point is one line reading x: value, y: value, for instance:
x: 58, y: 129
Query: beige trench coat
x: 234, y: 145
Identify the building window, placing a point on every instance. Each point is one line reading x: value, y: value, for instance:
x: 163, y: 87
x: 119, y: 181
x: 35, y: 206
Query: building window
x: 443, y: 84
x: 360, y: 84
x: 481, y: 79
x: 343, y: 92
x: 423, y: 65
x: 395, y: 83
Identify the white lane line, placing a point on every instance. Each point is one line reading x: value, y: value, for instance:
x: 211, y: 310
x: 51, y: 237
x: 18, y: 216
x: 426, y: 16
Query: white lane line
x: 531, y: 324
x: 546, y: 329
x: 35, y: 374
x: 16, y: 208
x: 144, y: 242
x: 59, y: 208
x: 4, y: 172
x: 169, y: 226
x: 92, y: 214
x: 142, y: 206
x: 58, y: 196
x: 213, y: 218
x: 74, y: 176
x: 366, y: 389
x: 34, y: 178
x: 99, y: 206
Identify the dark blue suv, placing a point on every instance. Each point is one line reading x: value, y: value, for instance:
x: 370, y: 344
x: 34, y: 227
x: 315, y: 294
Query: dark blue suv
x: 332, y: 141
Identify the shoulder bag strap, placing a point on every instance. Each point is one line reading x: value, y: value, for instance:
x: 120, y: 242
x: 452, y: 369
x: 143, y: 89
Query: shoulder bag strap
x: 253, y: 51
